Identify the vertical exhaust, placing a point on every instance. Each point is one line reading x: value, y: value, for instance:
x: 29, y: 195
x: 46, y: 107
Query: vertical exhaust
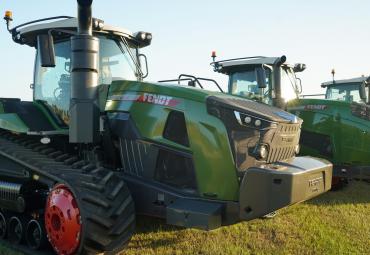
x: 278, y: 101
x: 84, y: 110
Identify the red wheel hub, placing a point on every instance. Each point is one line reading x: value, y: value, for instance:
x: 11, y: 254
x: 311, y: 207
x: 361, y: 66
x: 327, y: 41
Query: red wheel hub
x: 63, y: 220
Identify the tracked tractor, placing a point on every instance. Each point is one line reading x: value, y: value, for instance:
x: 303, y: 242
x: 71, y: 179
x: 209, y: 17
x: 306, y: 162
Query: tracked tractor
x: 98, y: 145
x: 336, y: 128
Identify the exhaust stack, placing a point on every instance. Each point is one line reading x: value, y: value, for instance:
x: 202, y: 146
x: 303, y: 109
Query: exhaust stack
x: 278, y: 101
x: 84, y: 110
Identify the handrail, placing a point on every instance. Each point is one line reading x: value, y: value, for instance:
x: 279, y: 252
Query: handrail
x: 312, y: 95
x: 194, y: 79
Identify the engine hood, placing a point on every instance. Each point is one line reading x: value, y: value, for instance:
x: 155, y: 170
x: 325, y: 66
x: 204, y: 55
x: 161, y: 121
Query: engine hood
x: 254, y: 108
x: 120, y: 89
x: 355, y: 112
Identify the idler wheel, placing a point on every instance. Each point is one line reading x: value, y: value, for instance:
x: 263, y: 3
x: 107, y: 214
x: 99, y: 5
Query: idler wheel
x: 35, y: 235
x: 63, y: 220
x: 15, y: 230
x: 3, y: 226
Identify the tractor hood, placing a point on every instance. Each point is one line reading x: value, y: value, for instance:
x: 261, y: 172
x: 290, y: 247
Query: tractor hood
x: 356, y: 112
x: 254, y: 108
x: 174, y: 96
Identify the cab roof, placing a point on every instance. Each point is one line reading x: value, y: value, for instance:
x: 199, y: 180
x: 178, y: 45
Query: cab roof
x: 27, y: 34
x: 224, y: 66
x: 344, y: 81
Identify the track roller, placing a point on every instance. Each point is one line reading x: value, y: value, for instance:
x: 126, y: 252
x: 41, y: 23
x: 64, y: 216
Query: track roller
x: 35, y: 235
x: 63, y: 220
x: 15, y: 230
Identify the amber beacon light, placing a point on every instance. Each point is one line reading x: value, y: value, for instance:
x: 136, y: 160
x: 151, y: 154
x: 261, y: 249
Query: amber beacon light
x: 8, y: 16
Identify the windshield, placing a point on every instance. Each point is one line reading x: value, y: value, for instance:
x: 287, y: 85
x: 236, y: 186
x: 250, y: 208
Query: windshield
x: 345, y: 92
x: 289, y: 85
x: 53, y: 84
x: 245, y: 84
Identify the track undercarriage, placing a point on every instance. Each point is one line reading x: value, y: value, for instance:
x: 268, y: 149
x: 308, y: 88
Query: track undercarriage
x: 52, y: 195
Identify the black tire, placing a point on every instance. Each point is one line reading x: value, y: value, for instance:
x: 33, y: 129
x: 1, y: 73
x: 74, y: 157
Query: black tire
x: 108, y: 212
x: 105, y: 203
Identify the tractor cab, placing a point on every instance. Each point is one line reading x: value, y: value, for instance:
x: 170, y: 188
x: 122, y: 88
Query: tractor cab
x: 355, y: 90
x: 119, y: 58
x: 266, y: 79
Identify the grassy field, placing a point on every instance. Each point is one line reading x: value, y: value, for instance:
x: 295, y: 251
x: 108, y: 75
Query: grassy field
x: 334, y: 223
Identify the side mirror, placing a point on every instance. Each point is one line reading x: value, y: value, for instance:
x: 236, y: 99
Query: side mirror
x: 144, y: 62
x: 261, y: 77
x: 45, y: 46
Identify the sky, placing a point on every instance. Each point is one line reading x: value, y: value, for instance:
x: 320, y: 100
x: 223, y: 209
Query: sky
x: 322, y: 34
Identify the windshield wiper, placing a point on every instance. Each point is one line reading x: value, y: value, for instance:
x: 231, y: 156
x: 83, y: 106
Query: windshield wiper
x: 134, y: 60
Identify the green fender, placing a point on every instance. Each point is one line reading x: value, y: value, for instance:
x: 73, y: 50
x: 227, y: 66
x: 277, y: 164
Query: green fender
x: 12, y: 122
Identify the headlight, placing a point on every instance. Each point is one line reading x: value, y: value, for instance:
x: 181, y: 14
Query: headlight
x: 257, y: 123
x: 253, y: 121
x: 263, y: 152
x: 98, y: 24
x: 144, y: 38
x: 247, y: 120
x: 297, y: 149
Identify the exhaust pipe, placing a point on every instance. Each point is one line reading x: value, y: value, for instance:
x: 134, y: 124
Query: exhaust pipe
x: 84, y: 110
x: 278, y: 101
x: 15, y: 230
x: 36, y: 235
x: 84, y: 17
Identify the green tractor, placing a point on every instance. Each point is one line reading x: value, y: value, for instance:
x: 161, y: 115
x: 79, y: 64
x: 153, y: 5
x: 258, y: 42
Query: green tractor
x: 352, y: 91
x: 336, y: 128
x: 97, y: 146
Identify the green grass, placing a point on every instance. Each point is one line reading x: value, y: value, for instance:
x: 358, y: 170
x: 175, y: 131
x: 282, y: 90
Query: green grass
x: 334, y: 223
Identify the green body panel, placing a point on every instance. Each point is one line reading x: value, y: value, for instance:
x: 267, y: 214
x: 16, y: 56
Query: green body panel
x: 11, y: 121
x: 47, y: 115
x: 350, y: 135
x: 216, y: 173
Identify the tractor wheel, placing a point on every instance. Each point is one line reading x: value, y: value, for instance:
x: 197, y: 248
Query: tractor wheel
x: 97, y: 215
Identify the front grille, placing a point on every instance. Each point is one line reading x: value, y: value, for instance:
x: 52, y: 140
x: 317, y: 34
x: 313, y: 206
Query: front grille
x: 289, y: 128
x: 275, y: 132
x: 284, y: 142
x: 280, y: 153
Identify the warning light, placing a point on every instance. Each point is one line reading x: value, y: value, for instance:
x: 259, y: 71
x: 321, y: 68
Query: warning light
x: 8, y: 15
x: 214, y: 56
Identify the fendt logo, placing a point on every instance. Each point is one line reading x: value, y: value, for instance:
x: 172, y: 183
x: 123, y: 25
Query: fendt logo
x: 157, y: 99
x: 315, y: 182
x: 147, y: 98
x: 287, y: 139
x: 319, y: 107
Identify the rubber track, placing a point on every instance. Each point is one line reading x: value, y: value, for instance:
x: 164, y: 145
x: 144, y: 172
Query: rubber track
x: 108, y: 214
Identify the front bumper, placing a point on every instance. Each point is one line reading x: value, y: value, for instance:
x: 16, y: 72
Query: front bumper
x: 264, y: 190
